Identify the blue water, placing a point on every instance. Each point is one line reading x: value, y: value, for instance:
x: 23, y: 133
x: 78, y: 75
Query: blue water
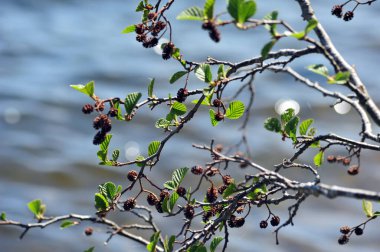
x: 47, y: 153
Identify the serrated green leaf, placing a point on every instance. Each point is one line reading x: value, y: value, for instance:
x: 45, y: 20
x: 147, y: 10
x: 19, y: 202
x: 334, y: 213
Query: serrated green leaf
x: 151, y: 247
x: 164, y: 205
x: 204, y: 102
x: 192, y: 13
x: 35, y: 207
x: 291, y: 127
x: 272, y: 28
x: 150, y: 88
x: 87, y: 89
x: 176, y: 76
x: 115, y: 155
x: 209, y: 9
x: 315, y: 144
x: 139, y: 158
x: 170, y: 185
x: 173, y: 199
x: 130, y: 101
x: 129, y: 29
x: 267, y: 47
x: 272, y: 124
x: 90, y: 249
x: 100, y: 202
x: 102, y: 155
x: 203, y: 72
x: 178, y: 175
x: 215, y: 242
x: 178, y: 108
x: 162, y: 123
x: 104, y: 145
x: 221, y: 72
x: 312, y: 131
x: 68, y: 223
x: 229, y: 190
x: 340, y: 78
x: 319, y: 69
x: 116, y: 105
x: 110, y: 189
x: 119, y: 188
x: 304, y: 126
x: 287, y: 115
x: 153, y: 147
x: 214, y: 122
x: 169, y: 243
x: 140, y: 7
x: 318, y: 158
x: 3, y: 216
x: 235, y: 110
x: 367, y: 208
x: 170, y: 117
x: 241, y: 10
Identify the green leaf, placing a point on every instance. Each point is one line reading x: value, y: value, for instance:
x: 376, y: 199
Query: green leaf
x: 176, y: 76
x: 241, y: 10
x: 287, y: 115
x: 119, y: 188
x: 129, y: 29
x: 131, y: 101
x: 312, y: 131
x: 340, y: 78
x: 3, y: 216
x: 150, y: 88
x: 209, y: 9
x: 273, y: 27
x: 35, y: 206
x: 139, y: 158
x: 212, y: 118
x: 377, y: 213
x: 153, y: 147
x: 162, y: 123
x: 140, y: 7
x: 169, y: 243
x: 304, y: 126
x: 192, y: 13
x: 151, y: 247
x: 87, y: 89
x: 319, y: 69
x: 291, y: 127
x: 178, y: 108
x: 90, y: 249
x: 229, y: 190
x: 272, y: 124
x: 68, y: 223
x: 221, y: 72
x: 367, y: 208
x: 164, y: 205
x: 215, y: 242
x: 267, y: 47
x: 110, y: 189
x: 318, y: 159
x: 100, y: 202
x: 170, y: 185
x: 235, y: 110
x: 203, y: 72
x: 178, y: 175
x: 104, y: 145
x: 173, y: 199
x: 115, y: 155
x: 311, y: 25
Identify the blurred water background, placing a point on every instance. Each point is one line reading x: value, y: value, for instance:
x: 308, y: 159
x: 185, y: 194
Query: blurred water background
x: 46, y: 149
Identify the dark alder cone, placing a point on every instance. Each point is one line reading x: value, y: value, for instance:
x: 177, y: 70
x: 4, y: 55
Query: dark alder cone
x: 132, y: 175
x: 150, y: 42
x: 181, y: 191
x: 182, y: 93
x: 217, y: 103
x: 227, y: 180
x: 263, y: 224
x: 87, y: 109
x: 240, y: 209
x: 343, y: 239
x: 337, y: 11
x: 113, y: 112
x: 167, y: 51
x: 214, y: 34
x: 345, y: 229
x: 348, y: 16
x: 188, y: 212
x: 218, y: 148
x: 159, y: 207
x: 206, y: 216
x: 141, y: 37
x: 239, y: 222
x: 222, y: 188
x: 151, y: 15
x: 99, y: 106
x: 88, y: 231
x: 139, y: 29
x: 207, y: 25
x: 212, y: 194
x: 164, y: 194
x: 231, y: 221
x: 346, y: 161
x: 219, y: 116
x: 129, y: 204
x: 197, y: 170
x: 212, y: 171
x: 331, y: 158
x: 353, y: 170
x: 358, y: 231
x: 275, y: 220
x: 99, y: 137
x: 152, y: 199
x: 100, y: 121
